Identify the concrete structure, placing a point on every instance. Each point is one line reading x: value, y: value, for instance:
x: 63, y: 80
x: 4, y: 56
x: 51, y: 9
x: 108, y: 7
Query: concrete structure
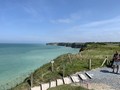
x: 53, y: 84
x: 59, y: 82
x: 83, y: 77
x: 67, y: 80
x: 75, y: 78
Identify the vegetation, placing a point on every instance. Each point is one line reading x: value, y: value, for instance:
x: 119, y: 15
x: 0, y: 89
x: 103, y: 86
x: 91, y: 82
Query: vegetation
x: 68, y: 87
x: 68, y: 64
x: 73, y: 45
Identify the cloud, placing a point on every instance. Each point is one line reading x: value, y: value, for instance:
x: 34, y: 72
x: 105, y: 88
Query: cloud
x: 104, y: 30
x: 67, y: 20
x: 103, y: 25
x: 114, y: 20
x: 72, y: 18
x: 75, y: 16
x: 31, y: 11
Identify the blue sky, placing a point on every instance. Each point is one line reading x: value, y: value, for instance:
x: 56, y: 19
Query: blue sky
x: 34, y: 21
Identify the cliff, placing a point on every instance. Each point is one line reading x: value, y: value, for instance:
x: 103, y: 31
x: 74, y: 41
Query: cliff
x: 73, y: 45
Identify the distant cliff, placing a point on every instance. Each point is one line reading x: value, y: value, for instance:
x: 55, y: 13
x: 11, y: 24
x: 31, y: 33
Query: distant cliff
x: 73, y: 45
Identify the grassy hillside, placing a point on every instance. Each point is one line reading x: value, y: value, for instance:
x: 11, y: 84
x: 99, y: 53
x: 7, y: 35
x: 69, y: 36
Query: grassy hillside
x: 67, y: 64
x: 68, y: 87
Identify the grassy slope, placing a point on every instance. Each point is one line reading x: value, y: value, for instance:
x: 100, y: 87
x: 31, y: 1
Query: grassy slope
x: 95, y: 52
x: 67, y: 87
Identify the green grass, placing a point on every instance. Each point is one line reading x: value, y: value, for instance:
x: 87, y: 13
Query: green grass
x: 68, y: 87
x: 72, y: 64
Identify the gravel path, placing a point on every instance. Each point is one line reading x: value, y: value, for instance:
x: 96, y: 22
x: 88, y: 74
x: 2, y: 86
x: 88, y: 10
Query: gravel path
x: 104, y: 79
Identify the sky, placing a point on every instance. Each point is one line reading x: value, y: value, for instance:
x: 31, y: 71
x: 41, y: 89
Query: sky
x: 35, y: 21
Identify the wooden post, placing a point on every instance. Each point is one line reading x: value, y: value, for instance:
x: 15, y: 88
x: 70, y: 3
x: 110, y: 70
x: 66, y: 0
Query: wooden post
x: 63, y: 70
x: 69, y: 58
x: 52, y: 62
x: 52, y: 67
x: 49, y: 84
x: 40, y: 86
x: 89, y: 64
x: 31, y: 80
x: 106, y: 59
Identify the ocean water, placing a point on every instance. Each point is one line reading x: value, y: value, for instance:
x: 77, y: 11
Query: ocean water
x: 17, y: 61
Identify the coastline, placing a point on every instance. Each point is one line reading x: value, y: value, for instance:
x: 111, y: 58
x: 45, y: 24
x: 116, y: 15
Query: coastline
x: 75, y: 63
x: 72, y: 45
x: 60, y: 51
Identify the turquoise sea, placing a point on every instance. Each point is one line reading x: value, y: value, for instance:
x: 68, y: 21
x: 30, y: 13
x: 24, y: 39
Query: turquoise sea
x: 17, y: 61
